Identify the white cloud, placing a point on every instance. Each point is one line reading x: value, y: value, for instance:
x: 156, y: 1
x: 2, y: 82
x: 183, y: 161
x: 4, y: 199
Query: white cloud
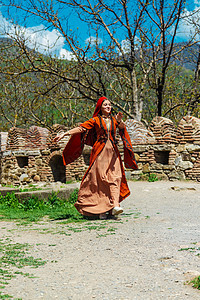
x: 189, y: 24
x: 126, y: 45
x: 64, y: 54
x: 92, y: 40
x: 38, y: 38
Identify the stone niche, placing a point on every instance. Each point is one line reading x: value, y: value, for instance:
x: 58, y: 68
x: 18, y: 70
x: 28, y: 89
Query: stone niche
x: 162, y: 157
x: 22, y: 161
x: 57, y: 167
x: 29, y: 155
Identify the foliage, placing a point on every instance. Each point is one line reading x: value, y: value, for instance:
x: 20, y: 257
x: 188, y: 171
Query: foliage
x: 24, y: 100
x: 136, y: 73
x: 73, y: 196
x: 196, y: 282
x: 152, y: 177
x: 34, y: 209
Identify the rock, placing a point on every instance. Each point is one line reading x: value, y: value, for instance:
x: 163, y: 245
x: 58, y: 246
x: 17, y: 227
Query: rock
x: 157, y: 171
x: 181, y: 148
x: 56, y: 186
x: 14, y: 177
x: 193, y: 159
x: 137, y: 157
x: 186, y: 156
x: 163, y: 147
x: 136, y: 177
x: 23, y: 177
x: 38, y: 161
x: 32, y: 173
x: 87, y: 150
x: 136, y: 174
x: 181, y: 175
x: 173, y: 175
x: 3, y: 181
x: 145, y: 168
x: 140, y: 148
x: 177, y: 160
x: 144, y: 177
x: 46, y: 152
x: 156, y: 166
x: 9, y: 183
x: 162, y: 176
x: 128, y: 175
x: 168, y: 167
x: 175, y: 188
x: 139, y: 166
x: 36, y: 178
x: 6, y: 153
x: 191, y: 148
x: 185, y: 165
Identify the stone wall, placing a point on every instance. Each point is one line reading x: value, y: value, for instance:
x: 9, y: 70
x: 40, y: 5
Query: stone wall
x: 29, y: 155
x: 171, y: 152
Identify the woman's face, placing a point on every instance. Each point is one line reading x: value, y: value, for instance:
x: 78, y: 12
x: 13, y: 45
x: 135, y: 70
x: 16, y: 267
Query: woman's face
x: 106, y: 107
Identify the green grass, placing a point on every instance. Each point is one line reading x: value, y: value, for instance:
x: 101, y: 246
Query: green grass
x: 196, y: 282
x: 53, y: 209
x: 186, y: 249
x: 191, y: 249
x: 15, y: 256
x: 29, y: 189
x: 152, y: 177
x: 34, y: 209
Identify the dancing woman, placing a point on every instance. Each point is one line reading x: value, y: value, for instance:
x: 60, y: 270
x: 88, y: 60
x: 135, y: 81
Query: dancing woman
x: 104, y: 184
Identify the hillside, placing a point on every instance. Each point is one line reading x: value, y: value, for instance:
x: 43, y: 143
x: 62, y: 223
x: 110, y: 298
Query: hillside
x: 188, y: 57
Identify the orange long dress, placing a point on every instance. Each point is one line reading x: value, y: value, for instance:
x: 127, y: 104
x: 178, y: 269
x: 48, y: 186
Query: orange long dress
x: 104, y: 184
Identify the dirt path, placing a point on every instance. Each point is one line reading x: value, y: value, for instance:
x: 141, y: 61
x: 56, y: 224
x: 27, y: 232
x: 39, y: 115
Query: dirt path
x: 137, y: 257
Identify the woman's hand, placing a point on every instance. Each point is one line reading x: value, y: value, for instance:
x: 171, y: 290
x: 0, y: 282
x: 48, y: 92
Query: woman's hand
x: 60, y: 137
x: 119, y: 117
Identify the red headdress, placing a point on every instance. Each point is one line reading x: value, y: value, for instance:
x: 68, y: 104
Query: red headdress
x: 98, y: 106
x: 74, y: 147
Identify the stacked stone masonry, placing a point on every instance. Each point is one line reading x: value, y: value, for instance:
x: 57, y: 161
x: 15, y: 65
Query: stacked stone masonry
x: 169, y: 152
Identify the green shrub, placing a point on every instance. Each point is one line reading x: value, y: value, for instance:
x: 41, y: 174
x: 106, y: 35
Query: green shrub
x: 196, y: 282
x: 10, y: 200
x: 73, y: 197
x: 152, y: 177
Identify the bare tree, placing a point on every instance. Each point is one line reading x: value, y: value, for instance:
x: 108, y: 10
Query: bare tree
x: 165, y: 17
x: 138, y: 45
x: 194, y: 99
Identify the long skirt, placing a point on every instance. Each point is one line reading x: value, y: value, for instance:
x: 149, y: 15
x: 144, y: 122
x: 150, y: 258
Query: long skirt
x: 100, y: 190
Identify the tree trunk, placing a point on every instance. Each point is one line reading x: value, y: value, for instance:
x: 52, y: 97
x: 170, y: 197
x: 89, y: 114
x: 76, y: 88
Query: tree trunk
x: 137, y: 104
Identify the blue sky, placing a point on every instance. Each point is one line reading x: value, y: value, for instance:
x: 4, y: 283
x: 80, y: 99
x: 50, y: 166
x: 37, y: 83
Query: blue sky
x: 52, y: 41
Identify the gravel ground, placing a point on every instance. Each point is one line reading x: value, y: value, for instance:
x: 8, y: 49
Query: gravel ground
x: 136, y: 257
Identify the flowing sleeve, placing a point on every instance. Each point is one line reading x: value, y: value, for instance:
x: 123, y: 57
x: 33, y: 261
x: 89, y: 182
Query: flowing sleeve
x: 79, y: 137
x: 89, y: 124
x: 129, y: 157
x: 90, y: 135
x: 76, y: 130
